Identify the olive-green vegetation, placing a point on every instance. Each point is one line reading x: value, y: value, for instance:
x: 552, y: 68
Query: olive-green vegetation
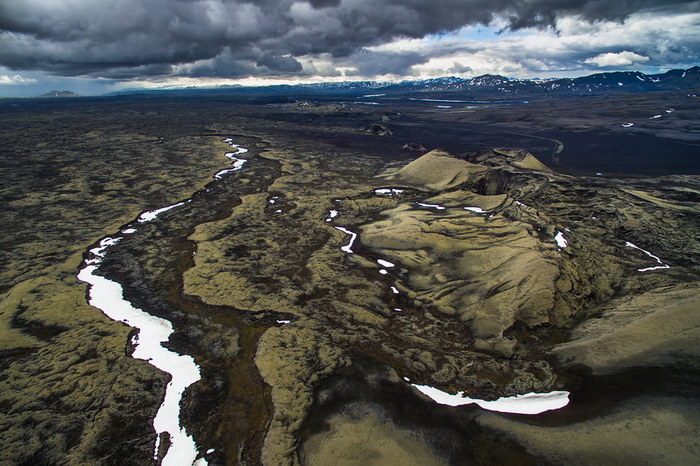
x: 477, y: 289
x: 363, y: 438
x: 73, y: 176
x: 642, y: 431
x: 304, y: 347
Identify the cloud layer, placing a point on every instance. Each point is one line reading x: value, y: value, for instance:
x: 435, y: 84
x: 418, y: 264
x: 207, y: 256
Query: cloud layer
x: 576, y: 47
x: 624, y: 58
x: 6, y: 79
x: 157, y: 39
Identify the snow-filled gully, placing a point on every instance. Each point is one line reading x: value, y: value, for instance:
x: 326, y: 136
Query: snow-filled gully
x: 108, y: 296
x: 656, y: 258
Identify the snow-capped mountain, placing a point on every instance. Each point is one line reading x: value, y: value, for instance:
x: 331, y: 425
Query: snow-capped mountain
x: 485, y: 86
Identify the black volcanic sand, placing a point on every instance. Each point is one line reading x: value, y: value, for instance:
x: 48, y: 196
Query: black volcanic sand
x: 588, y: 152
x: 591, y: 130
x: 225, y: 267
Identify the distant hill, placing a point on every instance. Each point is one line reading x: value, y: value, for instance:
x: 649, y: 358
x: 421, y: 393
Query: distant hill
x: 60, y: 94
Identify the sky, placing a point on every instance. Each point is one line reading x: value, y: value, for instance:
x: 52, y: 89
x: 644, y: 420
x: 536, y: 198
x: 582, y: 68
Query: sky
x: 98, y: 46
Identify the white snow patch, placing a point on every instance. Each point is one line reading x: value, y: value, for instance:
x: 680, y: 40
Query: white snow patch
x: 477, y: 210
x: 383, y: 272
x: 283, y: 321
x: 394, y: 290
x: 431, y: 206
x: 627, y: 125
x: 331, y: 215
x: 396, y: 309
x: 99, y: 251
x: 237, y: 165
x: 384, y: 263
x: 656, y: 258
x: 530, y: 403
x: 561, y: 241
x: 670, y: 110
x: 439, y: 100
x: 221, y: 173
x: 348, y: 247
x: 654, y: 117
x: 657, y: 267
x: 388, y: 191
x: 232, y: 155
x: 239, y: 149
x: 152, y: 214
x: 374, y: 95
x: 128, y: 231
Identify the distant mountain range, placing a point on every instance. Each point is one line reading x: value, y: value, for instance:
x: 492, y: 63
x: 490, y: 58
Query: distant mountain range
x: 485, y: 86
x: 60, y: 94
x: 621, y: 81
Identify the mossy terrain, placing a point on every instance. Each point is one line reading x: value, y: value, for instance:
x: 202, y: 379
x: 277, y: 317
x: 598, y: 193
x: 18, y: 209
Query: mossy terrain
x: 478, y: 290
x: 77, y: 175
x: 285, y: 323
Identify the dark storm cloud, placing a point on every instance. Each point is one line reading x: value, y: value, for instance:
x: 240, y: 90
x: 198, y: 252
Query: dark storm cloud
x: 324, y: 3
x: 235, y: 38
x: 283, y: 64
x: 536, y: 13
x: 380, y: 63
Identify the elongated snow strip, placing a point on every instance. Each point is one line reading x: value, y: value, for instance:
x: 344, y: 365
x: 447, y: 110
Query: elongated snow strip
x: 348, y: 247
x: 530, y: 403
x: 656, y: 258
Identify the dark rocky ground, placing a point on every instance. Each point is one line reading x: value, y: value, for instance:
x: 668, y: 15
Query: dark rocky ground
x: 489, y: 304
